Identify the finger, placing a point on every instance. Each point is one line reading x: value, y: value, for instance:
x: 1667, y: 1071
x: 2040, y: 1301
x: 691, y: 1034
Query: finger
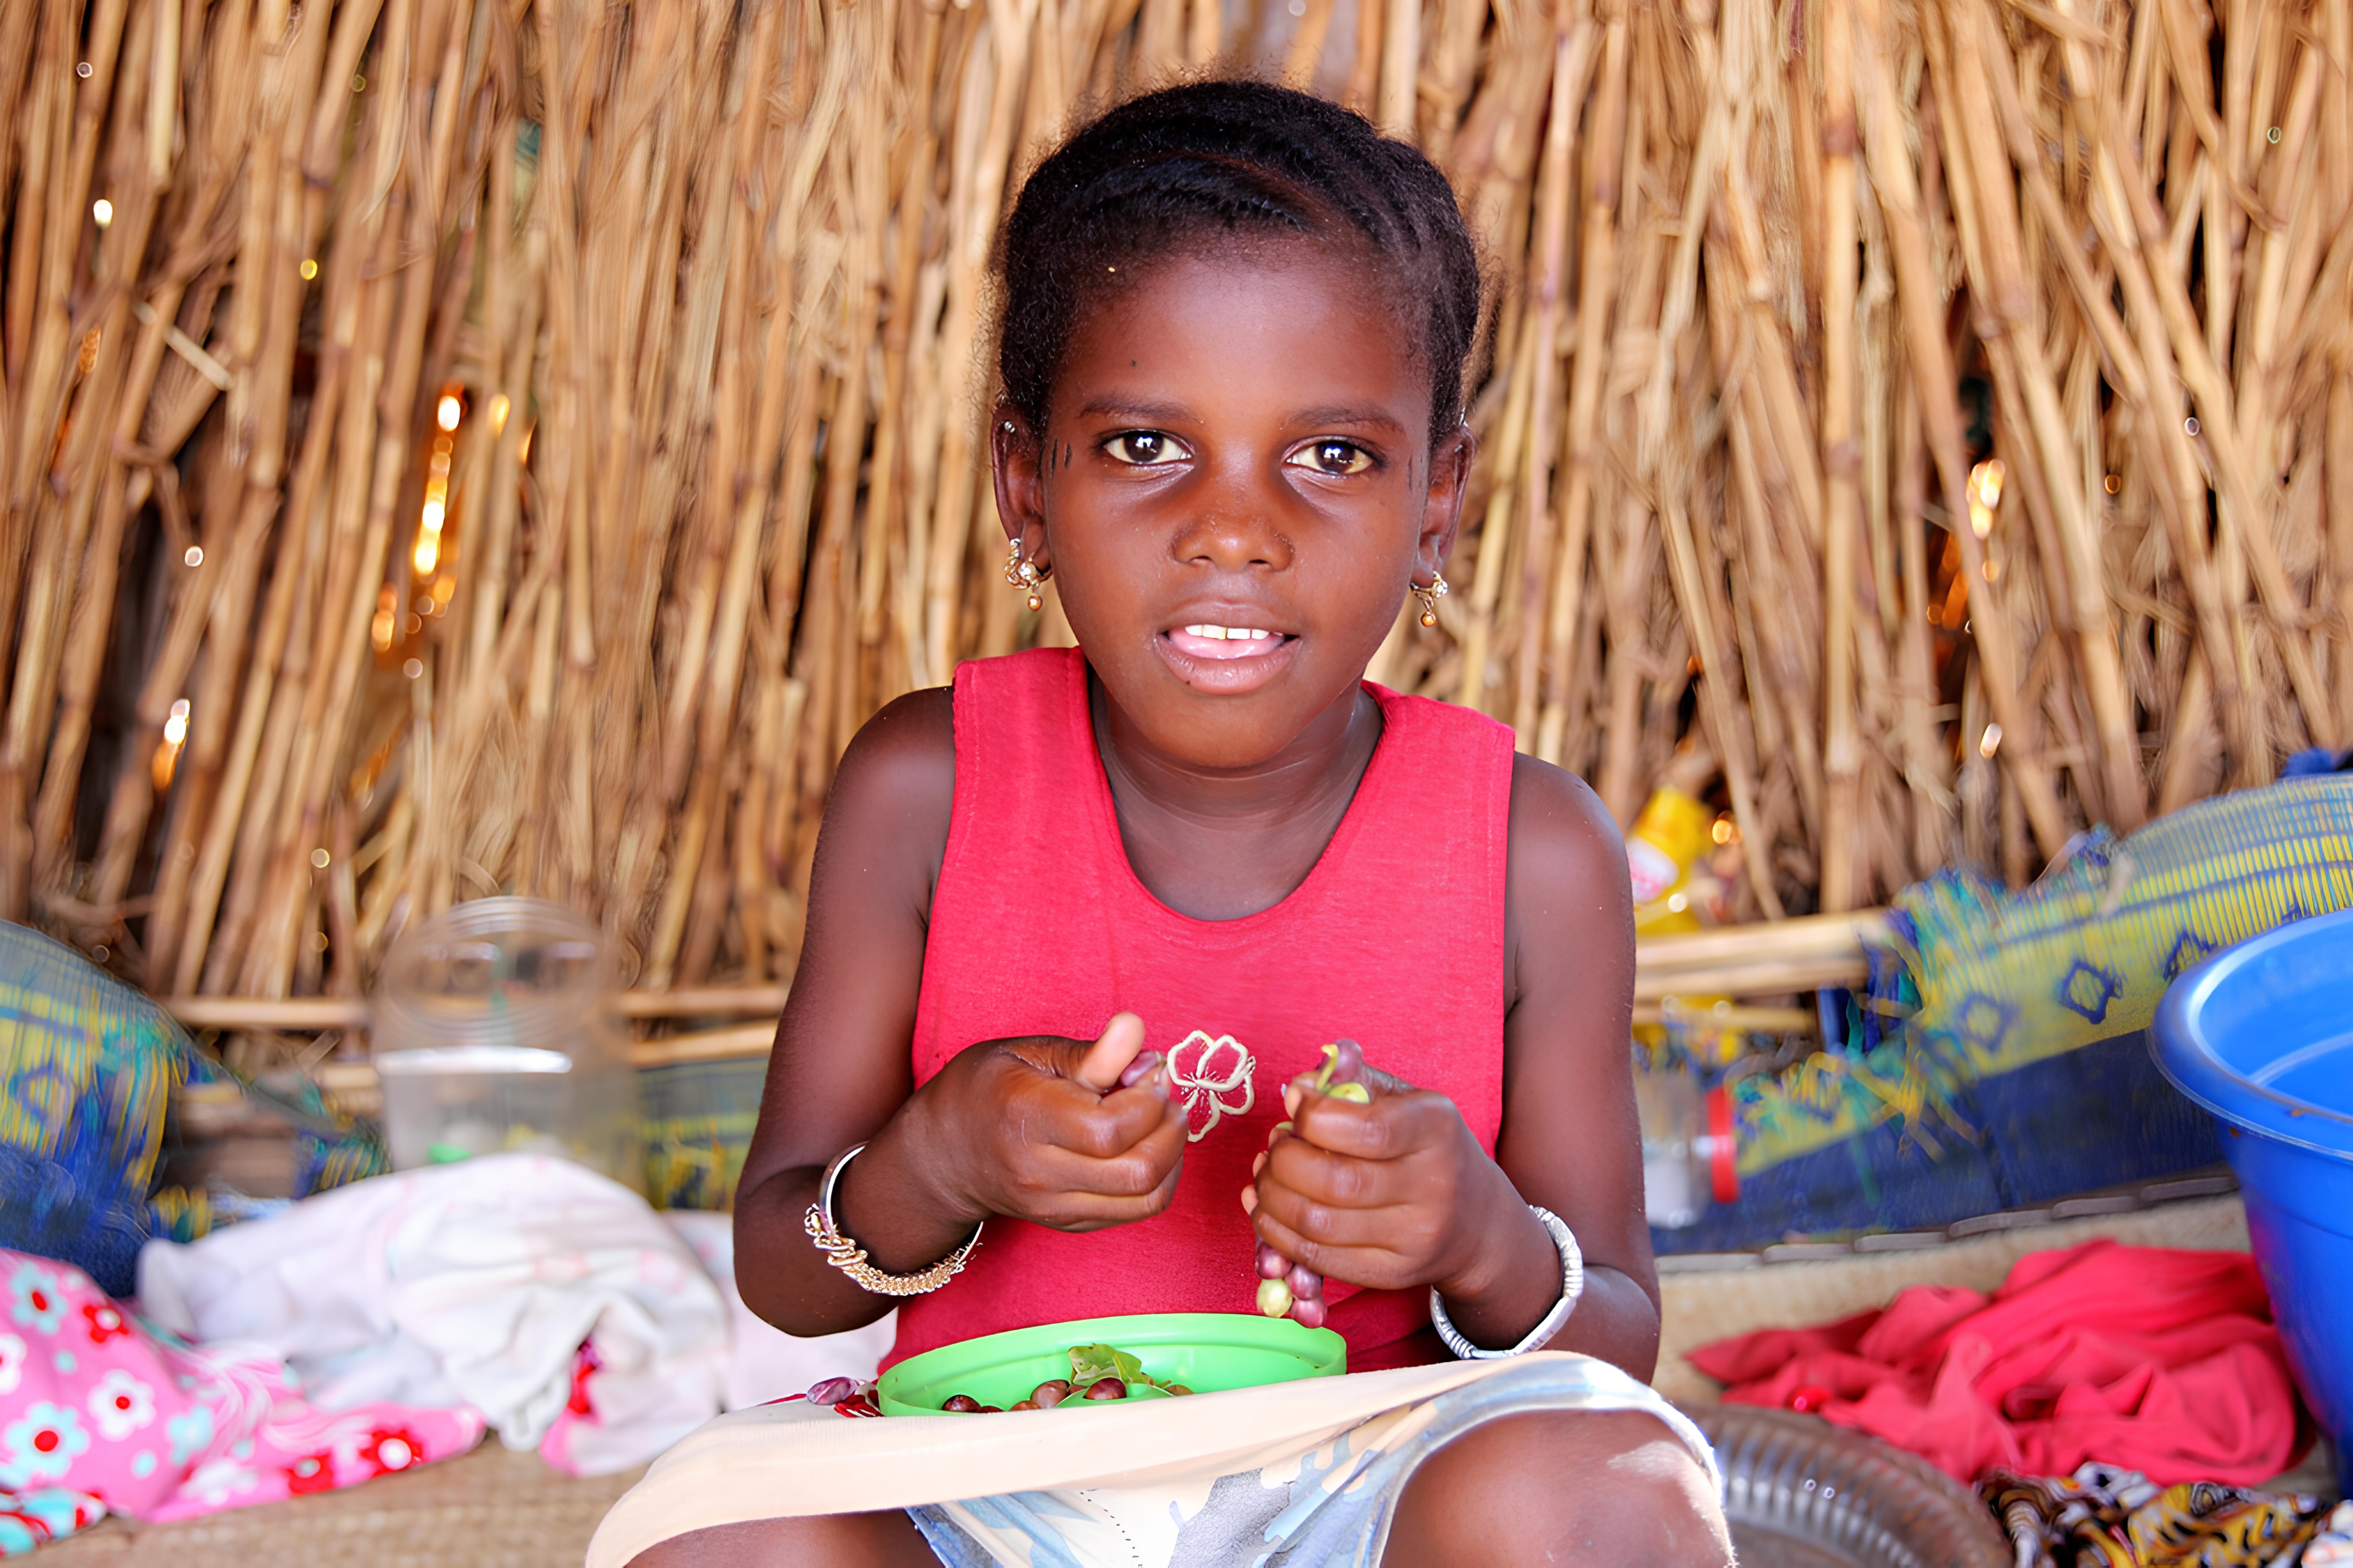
x: 1390, y: 1128
x: 1081, y: 1212
x: 1373, y: 1265
x: 1047, y: 1177
x: 1126, y: 1123
x: 1390, y: 1227
x: 1068, y: 1116
x: 1111, y: 1053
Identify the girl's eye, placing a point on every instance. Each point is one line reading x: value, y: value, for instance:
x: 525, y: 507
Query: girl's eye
x: 1334, y: 458
x: 1145, y: 448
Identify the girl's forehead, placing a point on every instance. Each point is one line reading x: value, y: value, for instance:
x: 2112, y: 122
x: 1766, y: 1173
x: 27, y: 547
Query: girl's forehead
x: 1254, y: 321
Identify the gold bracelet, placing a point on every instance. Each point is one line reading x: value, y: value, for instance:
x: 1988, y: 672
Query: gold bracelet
x: 850, y: 1259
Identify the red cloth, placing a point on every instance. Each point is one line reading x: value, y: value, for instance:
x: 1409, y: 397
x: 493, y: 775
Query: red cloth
x: 1039, y: 926
x: 2160, y: 1361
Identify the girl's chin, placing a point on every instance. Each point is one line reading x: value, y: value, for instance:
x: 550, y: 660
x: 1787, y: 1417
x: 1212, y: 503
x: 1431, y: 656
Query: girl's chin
x: 1237, y: 674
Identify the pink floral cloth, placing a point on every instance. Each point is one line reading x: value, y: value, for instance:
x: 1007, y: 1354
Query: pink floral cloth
x: 100, y: 1413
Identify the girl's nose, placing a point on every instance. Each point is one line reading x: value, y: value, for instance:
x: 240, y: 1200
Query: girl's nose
x: 1232, y: 529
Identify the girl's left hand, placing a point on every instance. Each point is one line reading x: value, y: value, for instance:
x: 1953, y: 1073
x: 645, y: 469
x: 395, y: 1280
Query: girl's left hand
x: 1390, y: 1194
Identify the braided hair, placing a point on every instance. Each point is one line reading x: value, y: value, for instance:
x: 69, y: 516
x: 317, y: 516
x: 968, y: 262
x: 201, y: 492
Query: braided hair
x: 1209, y: 162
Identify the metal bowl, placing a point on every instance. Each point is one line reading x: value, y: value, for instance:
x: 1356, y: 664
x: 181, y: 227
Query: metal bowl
x: 1801, y: 1493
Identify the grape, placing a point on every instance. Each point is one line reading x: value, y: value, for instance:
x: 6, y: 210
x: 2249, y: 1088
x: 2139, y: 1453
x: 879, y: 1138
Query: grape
x: 992, y: 1410
x: 1025, y: 1405
x: 1293, y: 1288
x: 833, y: 1390
x: 961, y: 1404
x: 1106, y: 1388
x: 1050, y: 1393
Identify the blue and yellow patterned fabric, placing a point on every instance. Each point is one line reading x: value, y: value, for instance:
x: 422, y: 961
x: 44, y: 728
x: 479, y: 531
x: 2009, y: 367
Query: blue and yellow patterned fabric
x: 2000, y: 1058
x: 86, y: 1070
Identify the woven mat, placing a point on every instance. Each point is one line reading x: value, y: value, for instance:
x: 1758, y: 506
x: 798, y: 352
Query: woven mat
x: 491, y: 1509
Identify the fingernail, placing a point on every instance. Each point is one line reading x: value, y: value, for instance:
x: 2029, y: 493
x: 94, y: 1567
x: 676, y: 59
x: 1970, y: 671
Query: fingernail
x: 1257, y: 1165
x: 1249, y: 1199
x: 1290, y: 1100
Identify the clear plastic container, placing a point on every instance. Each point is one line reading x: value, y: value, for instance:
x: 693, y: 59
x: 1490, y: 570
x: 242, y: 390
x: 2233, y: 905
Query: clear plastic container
x: 495, y: 1029
x: 1675, y: 1146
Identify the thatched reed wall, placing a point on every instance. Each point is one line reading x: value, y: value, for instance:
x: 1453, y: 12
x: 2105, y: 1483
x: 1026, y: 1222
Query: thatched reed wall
x: 455, y: 446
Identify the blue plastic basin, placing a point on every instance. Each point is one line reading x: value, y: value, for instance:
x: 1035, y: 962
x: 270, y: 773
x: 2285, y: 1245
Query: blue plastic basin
x: 2262, y: 1036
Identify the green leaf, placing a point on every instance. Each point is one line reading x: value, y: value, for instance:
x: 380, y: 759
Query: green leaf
x: 1090, y: 1363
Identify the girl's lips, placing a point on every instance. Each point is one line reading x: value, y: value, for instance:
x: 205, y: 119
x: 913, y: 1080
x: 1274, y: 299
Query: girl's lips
x: 1237, y: 642
x: 1228, y: 666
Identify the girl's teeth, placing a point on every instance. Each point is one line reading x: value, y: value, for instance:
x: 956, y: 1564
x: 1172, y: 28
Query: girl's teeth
x: 1230, y: 634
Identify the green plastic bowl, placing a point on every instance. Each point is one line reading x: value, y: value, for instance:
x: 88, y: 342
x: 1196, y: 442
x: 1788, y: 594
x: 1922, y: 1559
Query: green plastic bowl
x: 1208, y: 1353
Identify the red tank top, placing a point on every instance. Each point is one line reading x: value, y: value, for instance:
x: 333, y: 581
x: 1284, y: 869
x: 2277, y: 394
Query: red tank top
x: 1039, y: 926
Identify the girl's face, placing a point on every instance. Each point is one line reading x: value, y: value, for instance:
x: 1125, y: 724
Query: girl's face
x: 1233, y: 487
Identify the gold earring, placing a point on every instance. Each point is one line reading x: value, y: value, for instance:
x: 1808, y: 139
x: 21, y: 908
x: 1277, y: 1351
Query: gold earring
x: 1026, y: 574
x: 1429, y: 597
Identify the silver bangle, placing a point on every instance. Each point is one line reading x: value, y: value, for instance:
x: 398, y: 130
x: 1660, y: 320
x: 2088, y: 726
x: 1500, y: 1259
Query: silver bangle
x: 850, y: 1259
x: 1572, y: 1285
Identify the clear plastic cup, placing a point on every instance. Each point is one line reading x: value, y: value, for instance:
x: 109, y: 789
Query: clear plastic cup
x: 495, y: 1029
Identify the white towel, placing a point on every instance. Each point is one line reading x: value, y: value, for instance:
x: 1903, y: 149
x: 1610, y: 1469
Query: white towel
x: 474, y: 1283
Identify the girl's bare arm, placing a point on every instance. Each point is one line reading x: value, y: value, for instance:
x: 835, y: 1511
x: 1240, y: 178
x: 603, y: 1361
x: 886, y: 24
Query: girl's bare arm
x: 1020, y: 1127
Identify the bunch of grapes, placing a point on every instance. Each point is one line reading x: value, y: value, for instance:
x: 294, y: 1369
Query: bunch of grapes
x: 1294, y: 1290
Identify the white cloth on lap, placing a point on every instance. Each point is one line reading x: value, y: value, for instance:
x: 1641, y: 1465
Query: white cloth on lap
x: 1312, y: 1468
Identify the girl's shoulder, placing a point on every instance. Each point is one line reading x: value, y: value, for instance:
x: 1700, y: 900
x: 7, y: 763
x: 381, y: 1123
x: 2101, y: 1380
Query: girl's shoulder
x: 1569, y: 908
x: 894, y: 792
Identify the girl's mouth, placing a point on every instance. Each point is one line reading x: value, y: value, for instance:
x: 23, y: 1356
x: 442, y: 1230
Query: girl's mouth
x: 1224, y: 643
x: 1228, y: 661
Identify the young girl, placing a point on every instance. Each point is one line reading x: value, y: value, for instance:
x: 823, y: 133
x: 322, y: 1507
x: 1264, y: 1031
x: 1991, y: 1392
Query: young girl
x: 1079, y: 929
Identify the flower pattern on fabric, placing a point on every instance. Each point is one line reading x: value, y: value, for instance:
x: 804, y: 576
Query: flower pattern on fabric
x: 37, y: 1303
x: 1213, y: 1079
x: 100, y: 1414
x: 310, y: 1473
x: 386, y: 1452
x: 33, y: 1518
x: 41, y: 1446
x: 120, y: 1405
x: 218, y: 1482
x: 190, y: 1432
x: 106, y: 1321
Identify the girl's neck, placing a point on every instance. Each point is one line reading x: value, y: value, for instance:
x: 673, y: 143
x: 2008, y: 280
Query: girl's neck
x: 1223, y: 844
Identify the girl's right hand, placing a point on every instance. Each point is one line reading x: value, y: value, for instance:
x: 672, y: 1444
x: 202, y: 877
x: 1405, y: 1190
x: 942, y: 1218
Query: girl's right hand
x: 1040, y: 1128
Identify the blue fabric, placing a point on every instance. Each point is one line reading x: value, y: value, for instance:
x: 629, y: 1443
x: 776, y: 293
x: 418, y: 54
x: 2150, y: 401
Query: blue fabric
x: 1998, y: 1057
x: 2318, y: 760
x: 86, y: 1070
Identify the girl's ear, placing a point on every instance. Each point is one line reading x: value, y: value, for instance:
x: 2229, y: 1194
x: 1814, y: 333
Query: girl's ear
x: 1015, y: 466
x: 1449, y: 480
